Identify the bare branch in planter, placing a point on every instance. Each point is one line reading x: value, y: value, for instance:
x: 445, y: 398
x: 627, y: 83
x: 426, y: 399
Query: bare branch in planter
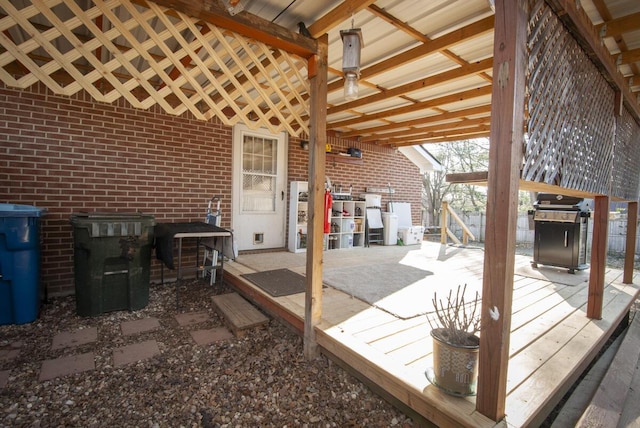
x: 456, y: 317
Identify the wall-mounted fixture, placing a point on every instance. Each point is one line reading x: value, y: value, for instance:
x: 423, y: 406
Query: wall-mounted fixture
x: 304, y: 144
x: 351, y: 45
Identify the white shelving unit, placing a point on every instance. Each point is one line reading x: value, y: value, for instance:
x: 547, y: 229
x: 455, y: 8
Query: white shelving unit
x: 347, y: 221
x: 298, y: 215
x: 347, y: 225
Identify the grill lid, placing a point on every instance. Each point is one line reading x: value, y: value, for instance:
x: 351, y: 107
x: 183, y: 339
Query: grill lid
x: 550, y: 201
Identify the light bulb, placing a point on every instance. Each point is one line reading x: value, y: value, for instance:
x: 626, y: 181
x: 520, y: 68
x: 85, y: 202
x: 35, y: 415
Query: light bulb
x: 350, y: 86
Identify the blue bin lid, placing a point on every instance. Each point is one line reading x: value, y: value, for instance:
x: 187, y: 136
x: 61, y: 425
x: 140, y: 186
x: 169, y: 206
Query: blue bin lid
x: 14, y: 210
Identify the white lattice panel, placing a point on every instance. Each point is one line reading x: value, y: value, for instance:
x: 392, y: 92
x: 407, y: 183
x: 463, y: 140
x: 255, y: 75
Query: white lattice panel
x: 149, y: 56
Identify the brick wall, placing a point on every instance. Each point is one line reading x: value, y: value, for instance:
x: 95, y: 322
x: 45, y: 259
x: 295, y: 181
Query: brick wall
x: 71, y: 154
x: 381, y: 166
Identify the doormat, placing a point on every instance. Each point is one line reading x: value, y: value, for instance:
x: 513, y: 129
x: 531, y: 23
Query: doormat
x: 278, y: 282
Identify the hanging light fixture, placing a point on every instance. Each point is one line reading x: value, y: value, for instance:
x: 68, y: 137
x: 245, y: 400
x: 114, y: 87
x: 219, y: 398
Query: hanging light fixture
x: 351, y: 45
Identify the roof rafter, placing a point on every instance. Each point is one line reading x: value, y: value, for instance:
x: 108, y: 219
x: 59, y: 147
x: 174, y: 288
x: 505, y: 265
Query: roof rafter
x: 436, y: 45
x: 456, y: 73
x: 413, y: 131
x: 442, y: 136
x: 435, y: 102
x: 336, y: 16
x: 419, y: 36
x: 447, y: 115
x: 616, y: 27
x: 243, y: 23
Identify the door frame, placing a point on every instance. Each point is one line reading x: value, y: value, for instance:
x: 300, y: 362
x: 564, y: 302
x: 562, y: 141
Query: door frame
x: 239, y: 130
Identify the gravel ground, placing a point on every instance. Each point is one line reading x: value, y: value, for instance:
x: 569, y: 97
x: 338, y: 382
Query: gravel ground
x: 261, y: 379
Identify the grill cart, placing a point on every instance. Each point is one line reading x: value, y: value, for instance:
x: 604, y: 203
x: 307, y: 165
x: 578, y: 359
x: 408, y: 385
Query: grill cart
x: 560, y: 231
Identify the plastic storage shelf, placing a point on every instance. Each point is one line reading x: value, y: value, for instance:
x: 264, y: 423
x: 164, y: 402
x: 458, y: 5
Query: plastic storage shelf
x: 20, y: 287
x: 112, y: 258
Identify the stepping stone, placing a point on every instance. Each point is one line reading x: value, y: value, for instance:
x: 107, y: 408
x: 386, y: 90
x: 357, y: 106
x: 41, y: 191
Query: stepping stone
x: 139, y: 326
x: 4, y: 378
x: 135, y: 352
x: 205, y: 337
x: 64, y: 366
x: 67, y: 339
x: 10, y: 352
x: 191, y: 318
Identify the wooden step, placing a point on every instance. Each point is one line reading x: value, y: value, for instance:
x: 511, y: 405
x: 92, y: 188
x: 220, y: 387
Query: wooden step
x: 239, y: 314
x: 615, y: 397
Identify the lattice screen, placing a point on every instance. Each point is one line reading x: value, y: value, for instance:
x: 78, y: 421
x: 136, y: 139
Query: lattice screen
x: 571, y: 124
x: 626, y: 159
x: 149, y: 56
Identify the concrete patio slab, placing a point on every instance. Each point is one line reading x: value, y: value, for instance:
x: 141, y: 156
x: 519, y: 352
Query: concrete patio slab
x: 64, y: 366
x: 205, y: 337
x: 4, y: 378
x: 67, y: 339
x: 192, y: 318
x: 135, y: 352
x: 139, y: 326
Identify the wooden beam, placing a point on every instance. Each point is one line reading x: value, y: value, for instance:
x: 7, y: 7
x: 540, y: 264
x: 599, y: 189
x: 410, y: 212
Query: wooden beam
x: 598, y: 257
x: 628, y: 57
x: 419, y: 133
x: 447, y: 115
x: 630, y: 247
x: 452, y: 134
x: 315, y: 235
x: 505, y: 159
x: 337, y: 15
x: 444, y: 212
x: 619, y: 26
x: 243, y: 23
x: 477, y: 177
x: 422, y: 105
x: 421, y: 84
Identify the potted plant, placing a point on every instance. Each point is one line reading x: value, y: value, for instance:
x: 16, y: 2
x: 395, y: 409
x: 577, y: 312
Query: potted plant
x: 454, y: 328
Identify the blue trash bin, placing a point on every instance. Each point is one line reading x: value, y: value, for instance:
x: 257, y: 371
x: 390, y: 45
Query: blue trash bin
x: 19, y: 263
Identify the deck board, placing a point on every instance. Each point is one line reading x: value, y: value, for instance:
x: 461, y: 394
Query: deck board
x: 551, y: 341
x: 546, y: 383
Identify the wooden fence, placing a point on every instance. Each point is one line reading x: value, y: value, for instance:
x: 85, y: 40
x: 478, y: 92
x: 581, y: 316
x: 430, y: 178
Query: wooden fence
x: 475, y: 222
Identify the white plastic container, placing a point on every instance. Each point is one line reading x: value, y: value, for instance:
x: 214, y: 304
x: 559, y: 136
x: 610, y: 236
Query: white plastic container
x: 411, y: 235
x: 371, y: 199
x: 390, y: 223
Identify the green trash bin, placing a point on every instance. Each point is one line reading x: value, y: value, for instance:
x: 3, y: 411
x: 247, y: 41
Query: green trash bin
x: 112, y: 258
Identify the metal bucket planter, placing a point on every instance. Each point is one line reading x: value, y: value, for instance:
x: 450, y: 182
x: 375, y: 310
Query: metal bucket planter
x: 455, y: 367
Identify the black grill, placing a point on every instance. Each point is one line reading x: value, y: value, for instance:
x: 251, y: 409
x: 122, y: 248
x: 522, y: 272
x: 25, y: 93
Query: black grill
x: 560, y: 231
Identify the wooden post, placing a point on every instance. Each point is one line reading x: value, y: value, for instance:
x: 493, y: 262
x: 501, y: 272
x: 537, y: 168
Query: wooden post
x: 443, y: 222
x: 505, y: 159
x: 630, y: 247
x: 598, y: 256
x: 318, y: 66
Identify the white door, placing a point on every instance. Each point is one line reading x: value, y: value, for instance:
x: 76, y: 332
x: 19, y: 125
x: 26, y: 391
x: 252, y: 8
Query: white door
x: 259, y: 188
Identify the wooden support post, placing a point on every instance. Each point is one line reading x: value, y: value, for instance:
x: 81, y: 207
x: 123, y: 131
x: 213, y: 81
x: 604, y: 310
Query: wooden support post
x: 443, y: 222
x: 505, y: 159
x: 630, y: 247
x: 315, y: 234
x: 598, y: 257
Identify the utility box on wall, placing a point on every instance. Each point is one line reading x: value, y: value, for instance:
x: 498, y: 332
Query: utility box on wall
x: 112, y: 258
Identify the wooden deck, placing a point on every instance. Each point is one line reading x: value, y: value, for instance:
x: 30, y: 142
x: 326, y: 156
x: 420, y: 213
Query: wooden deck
x: 552, y: 340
